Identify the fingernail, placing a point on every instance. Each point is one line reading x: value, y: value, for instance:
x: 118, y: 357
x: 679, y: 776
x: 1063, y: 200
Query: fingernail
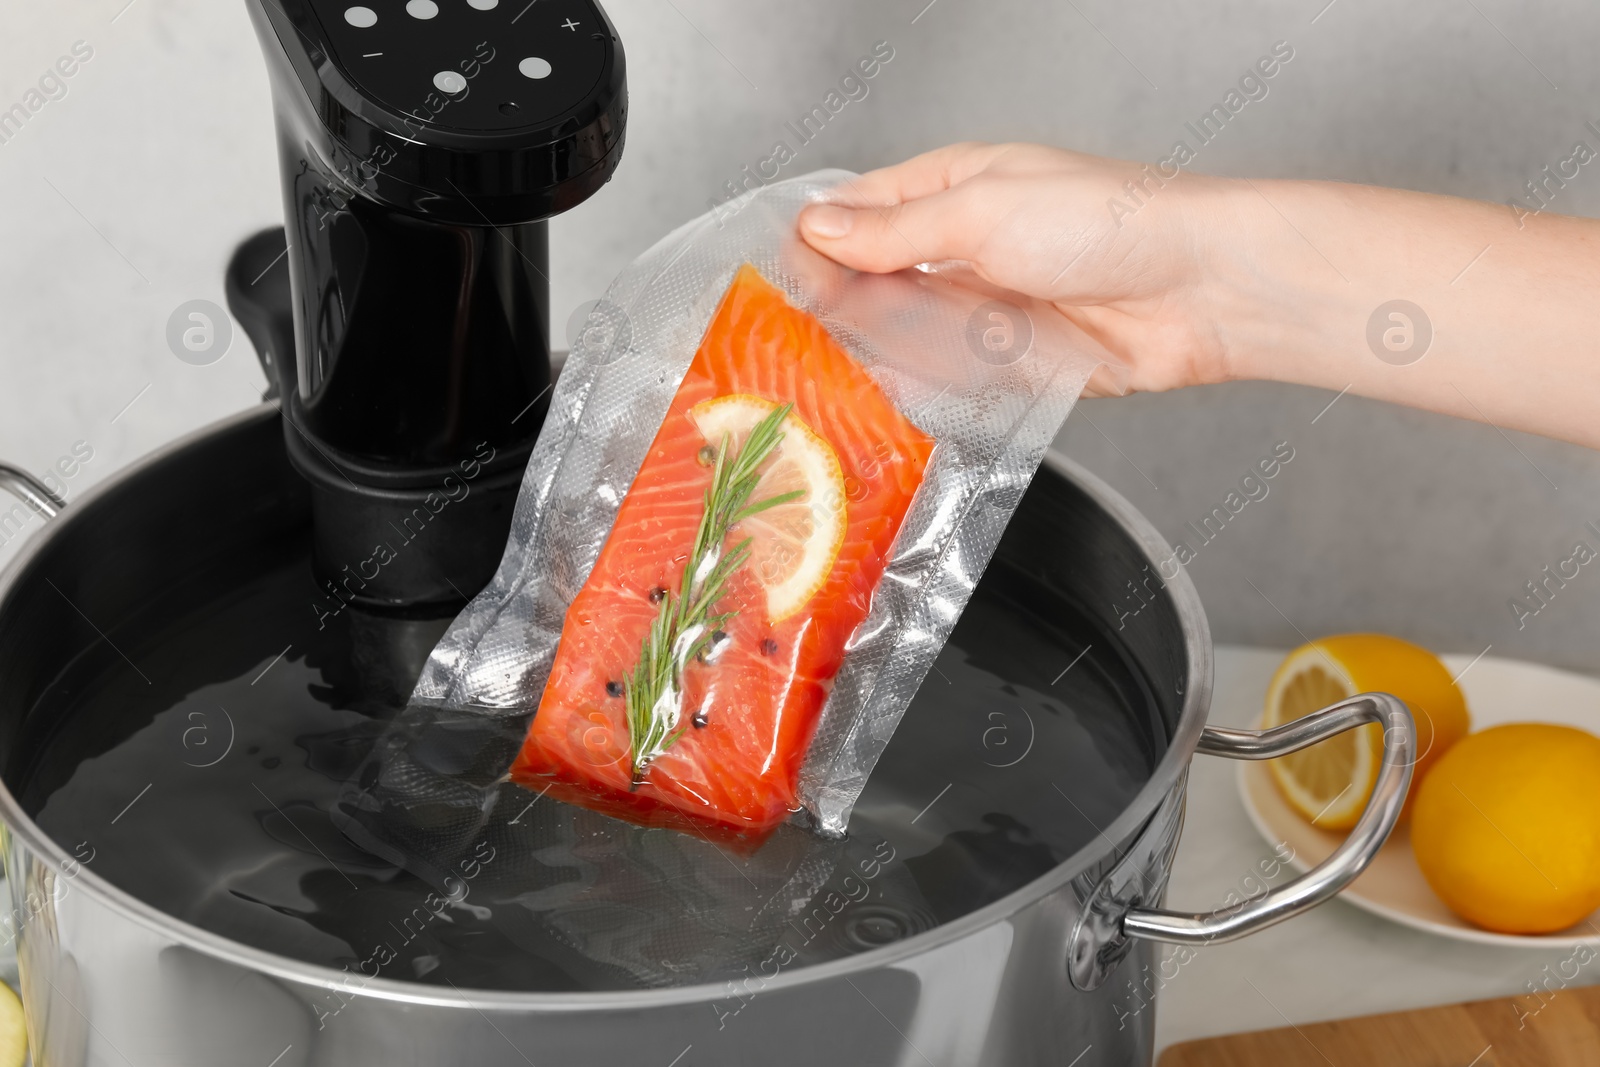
x: 827, y: 220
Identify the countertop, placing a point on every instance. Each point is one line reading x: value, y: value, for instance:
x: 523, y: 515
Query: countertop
x: 1334, y: 961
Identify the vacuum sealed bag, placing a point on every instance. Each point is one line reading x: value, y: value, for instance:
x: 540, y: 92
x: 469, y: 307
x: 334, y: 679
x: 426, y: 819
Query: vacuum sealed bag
x: 765, y: 489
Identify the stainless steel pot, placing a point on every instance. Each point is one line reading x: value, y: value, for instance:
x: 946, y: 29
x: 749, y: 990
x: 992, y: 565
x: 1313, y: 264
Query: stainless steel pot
x: 1038, y: 977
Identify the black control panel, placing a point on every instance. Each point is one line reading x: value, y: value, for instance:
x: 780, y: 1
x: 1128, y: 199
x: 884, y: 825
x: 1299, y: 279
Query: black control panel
x: 471, y: 111
x: 469, y: 64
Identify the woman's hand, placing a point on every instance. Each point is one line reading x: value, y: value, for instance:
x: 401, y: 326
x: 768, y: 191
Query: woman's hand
x: 1192, y: 280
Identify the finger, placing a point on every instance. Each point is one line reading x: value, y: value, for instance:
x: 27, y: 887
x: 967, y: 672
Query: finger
x: 920, y: 176
x: 883, y: 239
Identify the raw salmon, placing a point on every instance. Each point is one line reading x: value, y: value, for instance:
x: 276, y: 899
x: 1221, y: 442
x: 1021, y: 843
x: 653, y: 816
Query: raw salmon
x: 750, y: 709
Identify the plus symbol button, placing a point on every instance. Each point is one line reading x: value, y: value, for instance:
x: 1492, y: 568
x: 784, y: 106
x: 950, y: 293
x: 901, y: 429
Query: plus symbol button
x: 570, y: 25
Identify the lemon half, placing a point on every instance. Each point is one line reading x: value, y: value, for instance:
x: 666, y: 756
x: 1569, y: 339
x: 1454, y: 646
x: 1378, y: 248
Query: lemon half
x: 13, y: 1029
x: 1330, y: 782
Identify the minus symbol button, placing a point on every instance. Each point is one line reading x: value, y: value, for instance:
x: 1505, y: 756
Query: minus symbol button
x: 369, y: 55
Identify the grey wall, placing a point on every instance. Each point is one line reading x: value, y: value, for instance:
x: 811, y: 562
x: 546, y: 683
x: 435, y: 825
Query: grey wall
x: 123, y: 200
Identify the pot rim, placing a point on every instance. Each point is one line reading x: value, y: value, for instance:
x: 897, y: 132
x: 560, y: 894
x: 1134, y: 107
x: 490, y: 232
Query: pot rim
x: 1166, y: 776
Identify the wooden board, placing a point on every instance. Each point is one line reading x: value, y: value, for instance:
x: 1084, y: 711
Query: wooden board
x: 1559, y: 1027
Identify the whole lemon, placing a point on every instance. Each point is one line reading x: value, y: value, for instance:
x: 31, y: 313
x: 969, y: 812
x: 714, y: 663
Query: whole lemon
x: 1506, y: 827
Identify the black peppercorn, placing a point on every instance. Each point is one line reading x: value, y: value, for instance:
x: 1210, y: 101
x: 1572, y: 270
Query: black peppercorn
x: 769, y: 647
x: 657, y: 595
x: 707, y: 456
x: 613, y: 689
x: 699, y: 719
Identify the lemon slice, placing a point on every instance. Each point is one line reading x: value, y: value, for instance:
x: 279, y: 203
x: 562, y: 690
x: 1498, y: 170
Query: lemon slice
x: 794, y: 544
x: 1329, y: 783
x: 13, y: 1029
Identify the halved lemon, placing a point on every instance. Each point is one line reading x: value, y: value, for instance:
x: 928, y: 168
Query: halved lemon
x: 13, y: 1029
x: 1329, y: 783
x: 794, y: 544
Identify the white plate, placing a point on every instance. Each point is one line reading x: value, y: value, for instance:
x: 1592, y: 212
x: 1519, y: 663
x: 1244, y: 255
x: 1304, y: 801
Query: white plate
x: 1497, y: 691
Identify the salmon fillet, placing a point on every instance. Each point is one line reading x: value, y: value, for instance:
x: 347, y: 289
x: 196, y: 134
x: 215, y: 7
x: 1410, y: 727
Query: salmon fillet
x: 750, y: 711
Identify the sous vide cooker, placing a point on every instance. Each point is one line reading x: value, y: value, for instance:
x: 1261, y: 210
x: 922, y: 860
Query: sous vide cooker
x: 422, y: 146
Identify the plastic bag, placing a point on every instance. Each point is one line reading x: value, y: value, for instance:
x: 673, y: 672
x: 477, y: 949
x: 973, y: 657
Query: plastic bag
x: 983, y: 381
x: 585, y: 902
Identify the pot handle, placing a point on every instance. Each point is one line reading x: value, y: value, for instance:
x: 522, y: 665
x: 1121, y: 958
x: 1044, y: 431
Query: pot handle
x: 1347, y: 861
x: 30, y: 490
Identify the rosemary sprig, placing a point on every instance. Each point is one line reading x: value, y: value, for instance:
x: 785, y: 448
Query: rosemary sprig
x: 684, y: 625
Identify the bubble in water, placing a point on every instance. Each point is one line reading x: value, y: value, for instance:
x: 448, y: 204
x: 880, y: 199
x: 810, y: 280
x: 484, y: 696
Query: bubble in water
x: 875, y: 925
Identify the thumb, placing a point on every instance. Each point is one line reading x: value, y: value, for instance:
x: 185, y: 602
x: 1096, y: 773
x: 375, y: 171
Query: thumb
x: 883, y: 239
